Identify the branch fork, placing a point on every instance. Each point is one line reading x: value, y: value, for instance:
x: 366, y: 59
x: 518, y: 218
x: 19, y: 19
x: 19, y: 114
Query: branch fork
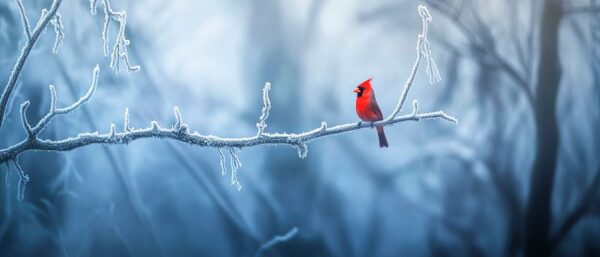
x: 180, y: 131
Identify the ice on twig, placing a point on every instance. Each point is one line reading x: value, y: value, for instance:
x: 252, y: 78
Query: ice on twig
x: 235, y: 165
x: 119, y: 49
x: 432, y: 71
x: 56, y: 21
x: 262, y: 123
x: 222, y: 162
x: 126, y: 121
x: 178, y: 120
x: 24, y: 121
x: 302, y: 150
x: 112, y: 131
x: 415, y: 107
x: 26, y: 26
x: 23, y: 179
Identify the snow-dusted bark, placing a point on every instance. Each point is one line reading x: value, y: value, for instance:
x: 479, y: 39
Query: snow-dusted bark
x: 181, y: 131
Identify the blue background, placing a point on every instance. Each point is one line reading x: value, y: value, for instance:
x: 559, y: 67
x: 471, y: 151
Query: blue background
x: 437, y: 190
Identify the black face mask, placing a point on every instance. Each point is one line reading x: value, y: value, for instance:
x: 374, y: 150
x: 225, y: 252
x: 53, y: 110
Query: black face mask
x: 360, y: 91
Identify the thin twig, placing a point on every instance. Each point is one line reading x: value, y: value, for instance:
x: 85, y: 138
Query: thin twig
x: 119, y: 49
x: 422, y: 51
x: 26, y: 26
x: 278, y: 239
x: 18, y: 68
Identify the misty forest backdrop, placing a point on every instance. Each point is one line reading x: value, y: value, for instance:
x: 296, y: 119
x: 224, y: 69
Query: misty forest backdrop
x: 519, y: 176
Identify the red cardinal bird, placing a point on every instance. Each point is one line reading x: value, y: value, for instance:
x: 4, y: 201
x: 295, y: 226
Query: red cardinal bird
x: 368, y: 109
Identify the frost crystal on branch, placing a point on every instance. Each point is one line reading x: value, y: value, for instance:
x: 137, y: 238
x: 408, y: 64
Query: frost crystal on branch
x: 177, y: 118
x: 126, y: 121
x: 262, y: 123
x: 119, y: 49
x: 222, y: 162
x: 93, y: 6
x: 235, y: 165
x: 423, y: 50
x: 154, y: 126
x: 302, y: 150
x: 113, y: 130
x: 26, y: 125
x: 56, y: 22
x: 432, y: 71
x: 58, y: 30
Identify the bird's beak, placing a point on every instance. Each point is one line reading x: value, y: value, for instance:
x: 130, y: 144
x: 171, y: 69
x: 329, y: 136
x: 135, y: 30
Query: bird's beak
x: 356, y: 90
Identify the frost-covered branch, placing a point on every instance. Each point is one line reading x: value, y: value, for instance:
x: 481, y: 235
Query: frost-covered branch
x: 235, y: 165
x: 119, y: 49
x: 423, y: 50
x: 26, y: 26
x: 296, y: 140
x: 262, y: 122
x: 180, y: 131
x: 32, y: 38
x: 58, y: 111
x: 276, y: 240
x: 58, y: 31
x: 32, y: 132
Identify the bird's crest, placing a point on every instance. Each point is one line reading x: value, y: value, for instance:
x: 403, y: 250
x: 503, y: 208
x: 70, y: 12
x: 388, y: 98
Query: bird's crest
x: 366, y: 83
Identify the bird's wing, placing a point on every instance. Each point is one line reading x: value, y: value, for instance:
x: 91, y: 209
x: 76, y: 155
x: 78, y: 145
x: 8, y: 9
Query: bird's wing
x: 375, y: 108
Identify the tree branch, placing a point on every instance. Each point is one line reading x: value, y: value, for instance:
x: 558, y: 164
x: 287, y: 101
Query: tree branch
x: 23, y: 179
x: 422, y: 51
x: 119, y: 49
x: 276, y: 240
x: 26, y: 26
x: 262, y: 123
x: 297, y: 140
x: 180, y: 132
x: 18, y: 68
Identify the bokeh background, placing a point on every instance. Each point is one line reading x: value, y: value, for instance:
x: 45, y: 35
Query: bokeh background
x: 519, y: 176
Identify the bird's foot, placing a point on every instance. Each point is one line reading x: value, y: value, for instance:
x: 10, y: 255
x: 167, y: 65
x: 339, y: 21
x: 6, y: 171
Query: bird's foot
x: 359, y: 124
x: 371, y: 124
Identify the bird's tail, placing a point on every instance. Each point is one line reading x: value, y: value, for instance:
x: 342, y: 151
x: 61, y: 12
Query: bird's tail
x: 382, y: 140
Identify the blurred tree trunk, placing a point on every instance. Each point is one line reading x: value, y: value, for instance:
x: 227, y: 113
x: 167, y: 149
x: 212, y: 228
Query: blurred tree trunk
x: 538, y: 213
